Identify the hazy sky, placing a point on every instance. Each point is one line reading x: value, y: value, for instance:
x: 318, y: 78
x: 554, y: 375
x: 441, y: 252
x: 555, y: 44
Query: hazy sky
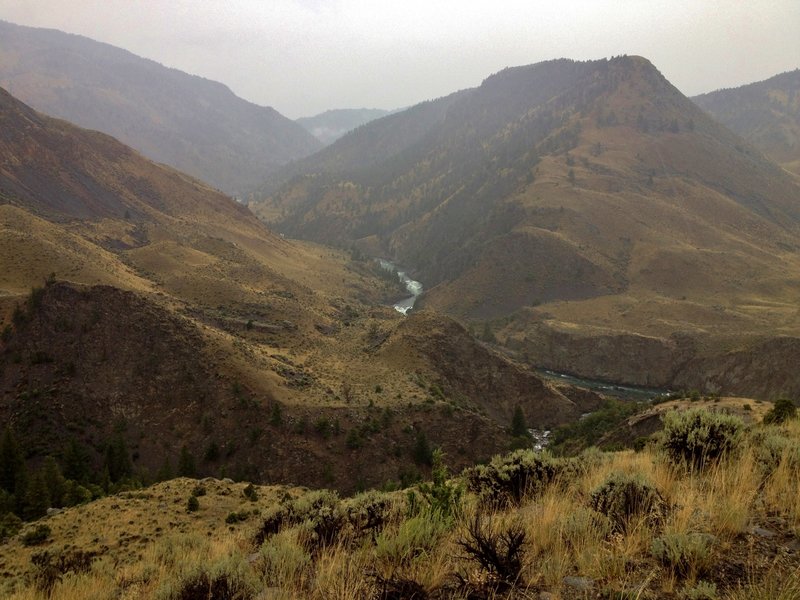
x: 306, y: 56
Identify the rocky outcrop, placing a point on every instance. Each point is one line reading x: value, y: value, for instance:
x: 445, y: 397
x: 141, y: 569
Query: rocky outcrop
x: 618, y: 357
x: 764, y: 368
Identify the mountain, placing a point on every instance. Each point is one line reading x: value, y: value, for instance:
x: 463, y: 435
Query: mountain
x: 571, y: 206
x: 329, y: 126
x: 138, y: 302
x: 766, y: 113
x: 193, y: 124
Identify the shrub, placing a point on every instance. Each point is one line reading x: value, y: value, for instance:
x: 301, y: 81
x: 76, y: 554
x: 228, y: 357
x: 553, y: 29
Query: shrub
x: 702, y: 590
x: 10, y: 524
x: 771, y: 447
x: 226, y: 580
x: 50, y: 568
x: 509, y: 479
x: 321, y: 515
x: 283, y: 561
x: 369, y: 512
x: 685, y: 554
x: 273, y: 523
x: 416, y: 537
x: 236, y: 517
x: 193, y: 504
x: 37, y: 535
x: 696, y: 437
x: 783, y: 410
x: 623, y: 497
x: 499, y: 553
x: 250, y: 492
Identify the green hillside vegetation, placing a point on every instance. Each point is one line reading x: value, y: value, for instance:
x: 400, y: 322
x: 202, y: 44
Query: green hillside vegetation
x: 708, y: 508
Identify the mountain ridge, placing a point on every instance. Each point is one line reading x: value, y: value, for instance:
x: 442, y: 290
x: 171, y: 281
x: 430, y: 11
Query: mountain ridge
x: 766, y: 113
x: 194, y: 124
x: 596, y: 183
x: 332, y: 124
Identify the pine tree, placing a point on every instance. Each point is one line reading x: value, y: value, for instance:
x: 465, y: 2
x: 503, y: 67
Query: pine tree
x: 37, y: 497
x: 12, y: 462
x: 54, y: 481
x: 186, y: 466
x: 423, y: 455
x: 118, y: 461
x: 165, y: 470
x: 518, y: 426
x: 76, y: 462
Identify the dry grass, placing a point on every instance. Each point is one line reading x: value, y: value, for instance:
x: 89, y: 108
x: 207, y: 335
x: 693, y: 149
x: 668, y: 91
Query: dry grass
x: 149, y: 544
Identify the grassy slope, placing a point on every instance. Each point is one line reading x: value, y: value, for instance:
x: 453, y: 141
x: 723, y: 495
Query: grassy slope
x: 753, y: 517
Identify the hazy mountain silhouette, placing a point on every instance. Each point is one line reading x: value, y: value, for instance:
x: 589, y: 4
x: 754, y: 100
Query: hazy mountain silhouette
x: 330, y: 125
x: 193, y: 124
x: 766, y: 113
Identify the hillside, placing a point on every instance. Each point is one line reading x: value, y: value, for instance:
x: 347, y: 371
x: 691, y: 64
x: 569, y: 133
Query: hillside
x: 639, y: 524
x: 195, y: 125
x: 571, y: 204
x: 766, y: 113
x: 329, y: 126
x: 172, y: 316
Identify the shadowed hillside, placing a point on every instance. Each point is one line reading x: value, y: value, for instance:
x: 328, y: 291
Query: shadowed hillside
x: 193, y: 124
x: 766, y: 113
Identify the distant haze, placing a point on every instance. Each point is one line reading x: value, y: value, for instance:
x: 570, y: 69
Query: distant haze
x: 306, y: 56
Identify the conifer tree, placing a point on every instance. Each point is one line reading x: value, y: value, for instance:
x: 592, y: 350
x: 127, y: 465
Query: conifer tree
x: 186, y: 466
x: 12, y: 463
x: 118, y: 461
x: 76, y: 462
x: 37, y: 497
x: 518, y: 426
x: 54, y: 481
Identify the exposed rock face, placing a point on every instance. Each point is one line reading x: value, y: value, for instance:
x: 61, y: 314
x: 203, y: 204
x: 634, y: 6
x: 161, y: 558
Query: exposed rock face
x: 767, y: 369
x: 609, y: 356
x: 758, y: 368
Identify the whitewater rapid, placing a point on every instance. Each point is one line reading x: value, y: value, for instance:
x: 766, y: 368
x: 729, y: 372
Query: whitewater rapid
x: 412, y: 286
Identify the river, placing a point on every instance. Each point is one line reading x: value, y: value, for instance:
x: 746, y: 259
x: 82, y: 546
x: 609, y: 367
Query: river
x: 625, y: 392
x: 412, y: 286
